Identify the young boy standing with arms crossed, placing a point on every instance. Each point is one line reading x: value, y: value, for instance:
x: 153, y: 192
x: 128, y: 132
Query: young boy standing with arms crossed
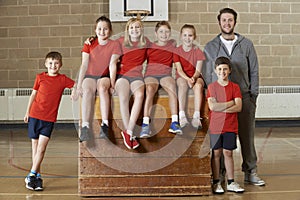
x: 224, y: 101
x: 42, y: 112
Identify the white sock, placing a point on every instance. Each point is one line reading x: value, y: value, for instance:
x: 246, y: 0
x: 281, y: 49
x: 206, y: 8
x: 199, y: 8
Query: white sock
x: 129, y: 132
x: 146, y: 120
x: 85, y: 124
x: 174, y: 118
x: 196, y: 114
x: 105, y: 121
x: 181, y: 114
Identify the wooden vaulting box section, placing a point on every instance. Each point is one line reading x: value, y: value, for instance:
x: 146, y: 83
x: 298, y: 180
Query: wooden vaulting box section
x: 163, y: 165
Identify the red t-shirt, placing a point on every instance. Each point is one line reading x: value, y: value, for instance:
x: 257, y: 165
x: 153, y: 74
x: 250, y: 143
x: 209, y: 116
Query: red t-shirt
x: 99, y: 56
x: 160, y: 59
x: 132, y: 59
x: 220, y: 122
x: 49, y: 92
x: 188, y: 60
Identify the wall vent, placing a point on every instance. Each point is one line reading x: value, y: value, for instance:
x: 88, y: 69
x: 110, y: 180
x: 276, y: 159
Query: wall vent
x: 2, y: 93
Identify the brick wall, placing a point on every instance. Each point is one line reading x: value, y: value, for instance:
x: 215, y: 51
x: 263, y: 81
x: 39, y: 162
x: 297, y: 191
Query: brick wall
x: 31, y: 28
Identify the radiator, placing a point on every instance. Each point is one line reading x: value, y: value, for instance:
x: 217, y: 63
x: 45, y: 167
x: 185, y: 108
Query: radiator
x: 278, y: 102
x: 273, y: 102
x: 14, y: 103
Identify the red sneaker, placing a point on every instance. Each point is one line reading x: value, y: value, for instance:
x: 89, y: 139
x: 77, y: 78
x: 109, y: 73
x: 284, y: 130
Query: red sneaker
x: 134, y: 143
x: 126, y: 139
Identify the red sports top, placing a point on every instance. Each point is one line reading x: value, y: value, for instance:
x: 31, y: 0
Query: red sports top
x: 160, y: 59
x: 49, y: 91
x: 100, y: 56
x: 132, y: 59
x: 220, y: 122
x: 188, y: 60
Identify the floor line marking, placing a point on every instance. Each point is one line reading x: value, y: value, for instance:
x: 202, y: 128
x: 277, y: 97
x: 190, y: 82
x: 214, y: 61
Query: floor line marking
x: 292, y: 144
x: 262, y: 148
x: 11, y: 158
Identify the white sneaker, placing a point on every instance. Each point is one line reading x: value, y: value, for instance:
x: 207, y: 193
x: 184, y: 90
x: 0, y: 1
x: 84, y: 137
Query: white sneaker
x: 196, y: 123
x: 235, y: 187
x: 217, y: 188
x: 183, y: 121
x: 252, y: 178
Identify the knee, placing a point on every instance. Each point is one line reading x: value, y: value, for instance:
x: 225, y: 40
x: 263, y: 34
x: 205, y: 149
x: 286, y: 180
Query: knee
x: 139, y: 94
x: 227, y: 153
x: 89, y: 91
x: 217, y: 154
x: 150, y: 90
x: 199, y: 86
x: 104, y: 89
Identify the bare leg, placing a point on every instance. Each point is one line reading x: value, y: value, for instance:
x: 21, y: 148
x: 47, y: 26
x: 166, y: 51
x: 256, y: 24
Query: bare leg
x: 229, y: 163
x: 34, y: 146
x: 40, y: 152
x: 123, y: 90
x: 198, y: 94
x: 137, y: 88
x: 169, y: 85
x: 182, y: 91
x: 151, y: 89
x: 88, y: 98
x: 103, y: 85
x: 216, y: 163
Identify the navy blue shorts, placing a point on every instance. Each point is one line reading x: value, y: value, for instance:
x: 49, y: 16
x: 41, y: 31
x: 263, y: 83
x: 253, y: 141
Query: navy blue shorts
x: 226, y: 141
x: 37, y: 127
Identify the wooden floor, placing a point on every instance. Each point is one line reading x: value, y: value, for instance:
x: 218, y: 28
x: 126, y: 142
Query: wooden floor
x: 278, y: 152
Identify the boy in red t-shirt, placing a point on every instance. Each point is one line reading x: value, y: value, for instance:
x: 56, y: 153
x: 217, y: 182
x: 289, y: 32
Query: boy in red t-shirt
x: 224, y: 101
x: 159, y: 73
x: 42, y: 112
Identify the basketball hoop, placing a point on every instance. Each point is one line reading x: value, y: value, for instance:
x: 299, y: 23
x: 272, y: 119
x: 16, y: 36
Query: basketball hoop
x: 140, y: 14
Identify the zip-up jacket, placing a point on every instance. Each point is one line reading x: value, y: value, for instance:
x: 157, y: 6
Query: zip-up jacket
x: 243, y: 59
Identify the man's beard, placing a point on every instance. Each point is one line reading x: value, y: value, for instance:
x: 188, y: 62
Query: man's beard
x: 227, y: 33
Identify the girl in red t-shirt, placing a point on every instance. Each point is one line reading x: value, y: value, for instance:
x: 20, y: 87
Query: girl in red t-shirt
x: 159, y: 72
x: 188, y: 61
x: 130, y: 79
x: 98, y: 73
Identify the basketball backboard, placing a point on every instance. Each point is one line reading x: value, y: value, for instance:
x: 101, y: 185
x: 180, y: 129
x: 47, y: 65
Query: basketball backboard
x: 158, y: 9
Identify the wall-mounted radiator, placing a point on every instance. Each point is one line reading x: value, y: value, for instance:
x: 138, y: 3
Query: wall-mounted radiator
x: 13, y: 104
x: 274, y: 102
x: 280, y: 102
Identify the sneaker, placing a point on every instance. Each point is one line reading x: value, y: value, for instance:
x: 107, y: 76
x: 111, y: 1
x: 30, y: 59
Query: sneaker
x: 183, y: 122
x: 129, y: 141
x: 196, y: 123
x: 104, y: 131
x: 126, y: 139
x: 234, y: 187
x: 84, y: 134
x: 145, y: 132
x: 134, y: 143
x: 252, y: 178
x: 39, y: 184
x: 175, y: 128
x: 217, y: 188
x: 30, y: 182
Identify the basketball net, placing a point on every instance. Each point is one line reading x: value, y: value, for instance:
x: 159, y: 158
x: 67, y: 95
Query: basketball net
x: 139, y: 14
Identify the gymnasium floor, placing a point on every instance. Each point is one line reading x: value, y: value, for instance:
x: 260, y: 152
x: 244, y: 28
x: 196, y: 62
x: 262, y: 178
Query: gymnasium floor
x: 278, y: 151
